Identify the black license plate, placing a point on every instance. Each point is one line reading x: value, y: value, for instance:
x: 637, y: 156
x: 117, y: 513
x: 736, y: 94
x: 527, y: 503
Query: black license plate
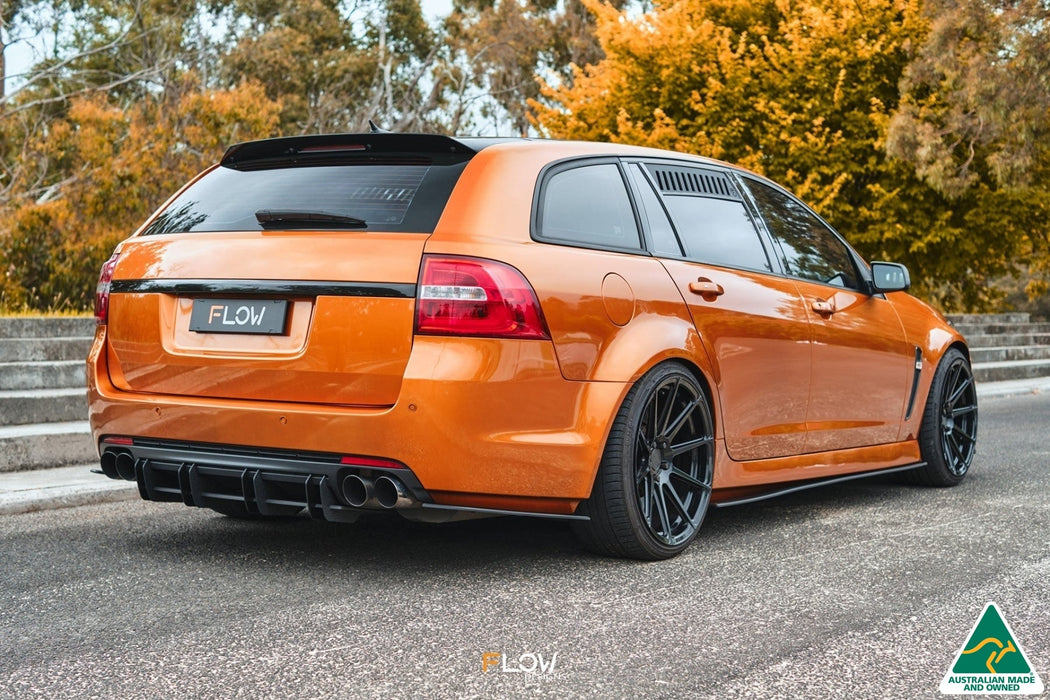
x: 253, y: 316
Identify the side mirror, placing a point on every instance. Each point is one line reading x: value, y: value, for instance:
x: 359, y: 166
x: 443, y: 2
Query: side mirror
x: 889, y: 277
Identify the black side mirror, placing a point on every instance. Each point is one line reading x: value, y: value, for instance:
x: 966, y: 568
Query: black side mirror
x: 889, y: 277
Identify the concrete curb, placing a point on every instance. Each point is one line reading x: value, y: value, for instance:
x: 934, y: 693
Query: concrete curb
x: 62, y: 487
x: 1013, y: 387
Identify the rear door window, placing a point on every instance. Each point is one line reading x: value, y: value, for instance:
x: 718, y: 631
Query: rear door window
x: 709, y: 214
x: 588, y: 205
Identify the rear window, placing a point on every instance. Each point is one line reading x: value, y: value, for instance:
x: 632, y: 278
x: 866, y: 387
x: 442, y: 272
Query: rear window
x: 588, y: 205
x: 397, y: 197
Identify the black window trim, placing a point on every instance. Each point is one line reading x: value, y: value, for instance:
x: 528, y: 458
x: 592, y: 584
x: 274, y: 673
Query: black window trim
x: 647, y: 234
x: 564, y: 164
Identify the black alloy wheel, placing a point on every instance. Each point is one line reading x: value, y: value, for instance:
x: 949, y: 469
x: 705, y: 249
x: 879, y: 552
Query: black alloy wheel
x: 654, y: 484
x: 948, y: 436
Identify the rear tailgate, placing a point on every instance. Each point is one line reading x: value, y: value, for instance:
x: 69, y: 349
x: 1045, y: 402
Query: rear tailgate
x: 236, y: 291
x: 346, y: 338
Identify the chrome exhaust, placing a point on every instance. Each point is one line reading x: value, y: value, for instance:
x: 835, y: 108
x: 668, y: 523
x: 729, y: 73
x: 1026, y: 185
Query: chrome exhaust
x: 357, y: 491
x: 391, y: 493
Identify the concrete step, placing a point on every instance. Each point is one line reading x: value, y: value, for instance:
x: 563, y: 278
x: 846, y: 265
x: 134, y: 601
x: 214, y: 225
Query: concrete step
x: 27, y: 406
x: 968, y: 329
x: 46, y: 489
x: 1007, y: 371
x: 983, y: 340
x: 61, y: 374
x: 44, y: 349
x: 46, y: 327
x: 1010, y: 353
x: 45, y: 445
x: 1012, y: 317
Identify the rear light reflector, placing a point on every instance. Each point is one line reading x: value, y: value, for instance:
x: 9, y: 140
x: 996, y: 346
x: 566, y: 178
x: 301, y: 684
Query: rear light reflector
x: 355, y: 461
x: 118, y: 440
x: 105, y: 281
x: 476, y: 297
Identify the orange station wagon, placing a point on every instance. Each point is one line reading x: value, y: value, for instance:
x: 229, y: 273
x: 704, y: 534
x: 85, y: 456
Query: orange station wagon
x: 451, y: 328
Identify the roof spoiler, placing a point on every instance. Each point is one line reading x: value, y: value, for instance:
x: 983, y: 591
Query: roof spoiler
x: 292, y: 149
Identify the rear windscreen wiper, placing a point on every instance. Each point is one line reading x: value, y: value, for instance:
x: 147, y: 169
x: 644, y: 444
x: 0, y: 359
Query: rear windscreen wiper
x: 271, y: 218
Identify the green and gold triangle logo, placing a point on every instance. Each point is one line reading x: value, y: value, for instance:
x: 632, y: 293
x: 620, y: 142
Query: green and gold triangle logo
x: 991, y: 661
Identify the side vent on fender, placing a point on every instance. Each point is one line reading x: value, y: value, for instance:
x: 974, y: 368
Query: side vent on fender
x: 914, y: 381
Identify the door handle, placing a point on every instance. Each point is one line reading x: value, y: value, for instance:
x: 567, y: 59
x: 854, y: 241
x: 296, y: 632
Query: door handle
x: 823, y: 308
x: 706, y: 288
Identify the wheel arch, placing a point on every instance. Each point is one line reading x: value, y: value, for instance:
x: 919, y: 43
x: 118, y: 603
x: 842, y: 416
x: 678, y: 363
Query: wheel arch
x: 690, y: 364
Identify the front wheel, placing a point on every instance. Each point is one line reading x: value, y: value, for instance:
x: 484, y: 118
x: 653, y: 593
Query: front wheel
x: 654, y: 483
x: 948, y: 435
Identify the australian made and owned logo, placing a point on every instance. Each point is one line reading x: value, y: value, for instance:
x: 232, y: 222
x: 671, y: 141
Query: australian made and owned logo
x: 991, y: 661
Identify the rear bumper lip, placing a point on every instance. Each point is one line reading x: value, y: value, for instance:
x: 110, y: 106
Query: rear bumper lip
x: 269, y: 482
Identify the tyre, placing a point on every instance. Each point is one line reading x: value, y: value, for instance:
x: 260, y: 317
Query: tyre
x: 948, y: 435
x: 654, y: 483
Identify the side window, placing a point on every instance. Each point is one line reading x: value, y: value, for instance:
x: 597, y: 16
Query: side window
x: 810, y: 249
x: 589, y: 205
x: 710, y: 217
x: 664, y: 240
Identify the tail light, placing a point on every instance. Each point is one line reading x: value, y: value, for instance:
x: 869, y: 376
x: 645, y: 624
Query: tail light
x: 105, y: 280
x: 475, y: 297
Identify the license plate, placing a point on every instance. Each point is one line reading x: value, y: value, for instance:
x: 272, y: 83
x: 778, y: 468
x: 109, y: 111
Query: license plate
x: 253, y: 316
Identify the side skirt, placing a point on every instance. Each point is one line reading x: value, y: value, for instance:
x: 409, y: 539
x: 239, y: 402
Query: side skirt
x: 816, y: 483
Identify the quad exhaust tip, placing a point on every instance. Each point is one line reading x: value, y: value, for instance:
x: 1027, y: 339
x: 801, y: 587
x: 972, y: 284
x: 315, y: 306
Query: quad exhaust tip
x: 118, y: 465
x: 386, y: 492
x: 391, y: 493
x: 125, y: 465
x: 109, y: 465
x: 357, y: 490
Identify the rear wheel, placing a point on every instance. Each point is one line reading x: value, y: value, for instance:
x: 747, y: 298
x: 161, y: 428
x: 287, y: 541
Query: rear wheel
x: 948, y: 436
x: 654, y: 483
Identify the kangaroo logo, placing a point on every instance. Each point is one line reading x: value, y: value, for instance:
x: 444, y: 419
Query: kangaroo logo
x: 997, y: 654
x: 991, y: 661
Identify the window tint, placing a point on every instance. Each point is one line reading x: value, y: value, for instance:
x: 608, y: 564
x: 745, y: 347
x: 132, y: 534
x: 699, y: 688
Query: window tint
x: 589, y: 205
x: 810, y: 249
x: 717, y: 231
x: 664, y: 240
x: 403, y: 197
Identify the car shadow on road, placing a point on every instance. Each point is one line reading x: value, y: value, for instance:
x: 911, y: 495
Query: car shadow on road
x: 387, y: 543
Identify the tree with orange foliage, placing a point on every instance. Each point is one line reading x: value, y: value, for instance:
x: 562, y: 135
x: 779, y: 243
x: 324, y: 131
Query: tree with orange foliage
x: 106, y: 168
x: 802, y: 91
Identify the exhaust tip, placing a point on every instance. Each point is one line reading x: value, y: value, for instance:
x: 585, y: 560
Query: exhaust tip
x: 357, y: 490
x: 109, y: 464
x: 391, y: 493
x: 124, y: 463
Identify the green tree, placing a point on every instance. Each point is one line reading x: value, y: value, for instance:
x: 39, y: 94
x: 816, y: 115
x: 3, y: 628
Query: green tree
x: 333, y: 70
x: 974, y: 119
x: 499, y: 47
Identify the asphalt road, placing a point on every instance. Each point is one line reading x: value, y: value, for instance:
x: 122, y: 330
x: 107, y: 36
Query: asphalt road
x: 865, y: 590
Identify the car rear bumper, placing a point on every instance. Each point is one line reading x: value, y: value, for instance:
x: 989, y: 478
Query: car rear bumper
x: 479, y: 423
